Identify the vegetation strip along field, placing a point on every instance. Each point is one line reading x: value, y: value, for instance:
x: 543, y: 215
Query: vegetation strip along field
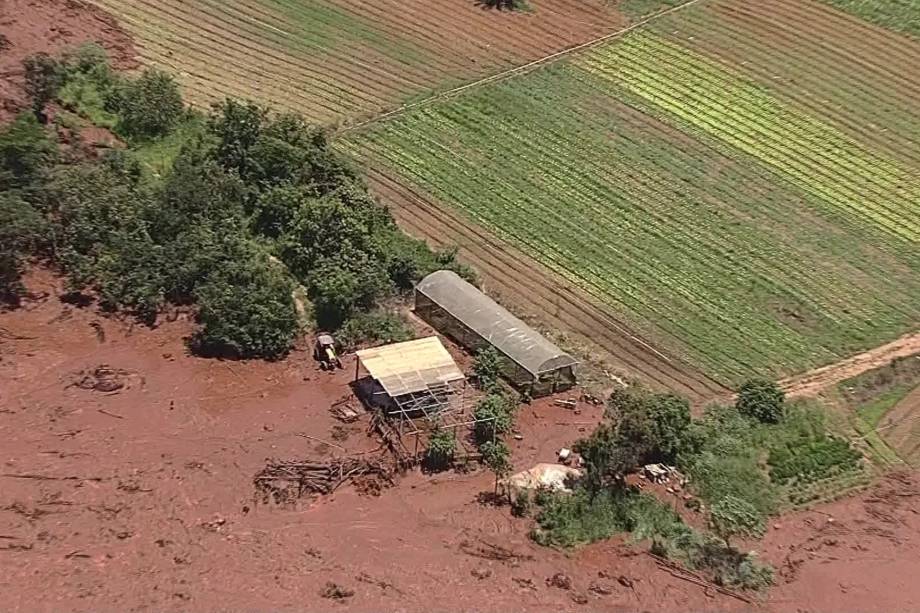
x: 762, y: 285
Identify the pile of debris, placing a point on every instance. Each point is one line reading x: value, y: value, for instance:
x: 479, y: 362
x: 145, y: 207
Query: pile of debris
x: 665, y: 475
x: 103, y: 378
x: 282, y: 481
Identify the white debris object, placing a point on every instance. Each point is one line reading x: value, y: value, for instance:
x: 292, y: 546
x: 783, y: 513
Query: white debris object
x: 553, y: 477
x: 564, y: 454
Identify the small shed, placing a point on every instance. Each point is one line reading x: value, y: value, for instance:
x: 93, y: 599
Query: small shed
x: 413, y: 377
x: 461, y: 311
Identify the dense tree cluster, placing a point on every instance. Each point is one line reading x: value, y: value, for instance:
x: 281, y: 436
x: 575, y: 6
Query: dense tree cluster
x: 252, y: 207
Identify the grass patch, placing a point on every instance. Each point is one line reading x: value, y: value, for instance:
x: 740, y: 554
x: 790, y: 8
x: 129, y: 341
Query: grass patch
x: 771, y: 466
x: 898, y: 15
x: 157, y: 156
x: 637, y: 9
x: 83, y: 96
x: 582, y: 517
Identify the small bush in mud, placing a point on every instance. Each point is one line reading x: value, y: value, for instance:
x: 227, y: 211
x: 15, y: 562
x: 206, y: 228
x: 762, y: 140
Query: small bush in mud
x: 441, y: 448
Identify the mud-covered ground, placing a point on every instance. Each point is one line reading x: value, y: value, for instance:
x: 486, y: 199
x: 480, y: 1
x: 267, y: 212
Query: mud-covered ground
x: 130, y: 488
x: 51, y: 26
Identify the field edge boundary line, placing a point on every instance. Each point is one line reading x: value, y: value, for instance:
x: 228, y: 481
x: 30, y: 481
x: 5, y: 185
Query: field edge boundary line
x: 515, y: 70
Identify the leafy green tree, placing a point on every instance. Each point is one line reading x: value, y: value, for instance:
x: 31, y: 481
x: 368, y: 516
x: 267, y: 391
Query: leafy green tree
x: 27, y: 153
x: 43, y: 77
x: 761, y: 399
x: 236, y: 126
x: 149, y: 106
x: 656, y: 425
x: 246, y: 310
x: 339, y: 288
x: 494, y: 415
x: 606, y: 456
x: 731, y: 517
x: 199, y: 192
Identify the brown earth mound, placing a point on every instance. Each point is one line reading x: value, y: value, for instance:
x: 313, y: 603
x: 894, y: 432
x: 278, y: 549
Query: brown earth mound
x: 31, y: 26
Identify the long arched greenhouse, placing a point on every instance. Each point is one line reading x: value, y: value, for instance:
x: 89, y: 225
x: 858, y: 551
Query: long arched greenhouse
x: 461, y: 311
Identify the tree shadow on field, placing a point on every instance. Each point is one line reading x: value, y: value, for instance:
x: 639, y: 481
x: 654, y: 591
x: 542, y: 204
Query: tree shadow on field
x: 502, y: 5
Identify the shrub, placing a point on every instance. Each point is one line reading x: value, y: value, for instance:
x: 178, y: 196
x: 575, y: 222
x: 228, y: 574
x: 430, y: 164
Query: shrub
x: 587, y: 516
x: 487, y: 368
x: 43, y: 76
x: 441, y: 448
x: 26, y: 155
x: 21, y: 229
x: 494, y: 416
x: 762, y: 400
x: 246, y: 310
x: 732, y: 516
x: 726, y: 565
x: 149, y: 106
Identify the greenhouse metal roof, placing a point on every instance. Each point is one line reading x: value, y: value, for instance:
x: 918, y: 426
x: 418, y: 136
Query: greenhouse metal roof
x: 412, y: 366
x: 511, y: 336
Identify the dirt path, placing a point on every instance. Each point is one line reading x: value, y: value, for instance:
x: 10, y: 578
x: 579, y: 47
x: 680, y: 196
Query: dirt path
x: 815, y: 381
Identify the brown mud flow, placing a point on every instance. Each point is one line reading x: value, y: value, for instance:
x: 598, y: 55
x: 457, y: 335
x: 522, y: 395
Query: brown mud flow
x: 127, y: 484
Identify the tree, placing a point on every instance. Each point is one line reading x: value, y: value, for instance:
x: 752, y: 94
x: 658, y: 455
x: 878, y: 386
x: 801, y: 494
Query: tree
x: 606, y: 456
x: 236, y: 126
x: 246, y: 310
x: 761, y: 399
x: 149, y: 106
x: 340, y: 287
x: 43, y: 76
x: 656, y: 425
x: 497, y: 457
x: 732, y: 516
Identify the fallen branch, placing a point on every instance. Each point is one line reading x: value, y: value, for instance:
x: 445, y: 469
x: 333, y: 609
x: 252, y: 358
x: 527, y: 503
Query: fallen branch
x: 50, y: 478
x: 319, y: 440
x: 115, y: 415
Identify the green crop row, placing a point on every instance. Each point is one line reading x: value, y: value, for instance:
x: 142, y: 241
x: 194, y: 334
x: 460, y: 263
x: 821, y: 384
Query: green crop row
x: 693, y: 242
x: 812, y: 154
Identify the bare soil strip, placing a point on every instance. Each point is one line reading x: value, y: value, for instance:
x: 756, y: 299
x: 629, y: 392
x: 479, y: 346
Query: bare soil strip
x: 815, y: 381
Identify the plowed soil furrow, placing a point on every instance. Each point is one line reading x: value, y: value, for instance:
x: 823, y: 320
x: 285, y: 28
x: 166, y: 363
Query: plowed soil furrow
x: 348, y: 64
x: 561, y: 304
x: 239, y: 71
x: 900, y: 427
x: 251, y: 54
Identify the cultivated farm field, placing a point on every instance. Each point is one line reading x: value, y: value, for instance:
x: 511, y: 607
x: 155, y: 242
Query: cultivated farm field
x: 738, y: 183
x: 334, y: 61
